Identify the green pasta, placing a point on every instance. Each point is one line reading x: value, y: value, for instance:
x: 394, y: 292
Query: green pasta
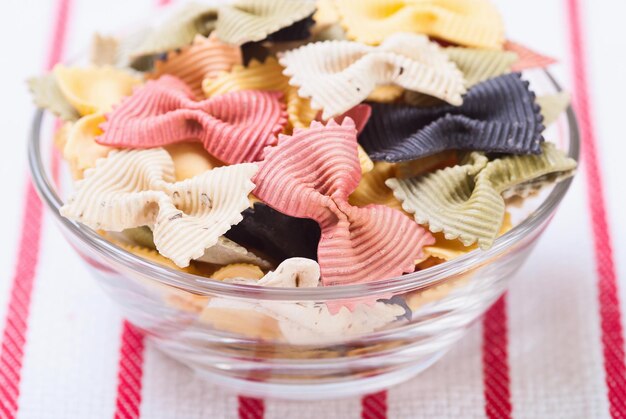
x: 467, y: 202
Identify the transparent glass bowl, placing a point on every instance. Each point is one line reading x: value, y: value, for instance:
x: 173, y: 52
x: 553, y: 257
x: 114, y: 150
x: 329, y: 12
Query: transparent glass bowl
x: 279, y: 342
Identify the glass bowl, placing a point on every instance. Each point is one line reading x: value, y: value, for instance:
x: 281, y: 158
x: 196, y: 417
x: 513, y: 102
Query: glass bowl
x: 283, y: 343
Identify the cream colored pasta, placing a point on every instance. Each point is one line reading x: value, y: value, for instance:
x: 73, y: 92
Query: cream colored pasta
x: 47, y: 95
x: 338, y: 75
x: 133, y: 188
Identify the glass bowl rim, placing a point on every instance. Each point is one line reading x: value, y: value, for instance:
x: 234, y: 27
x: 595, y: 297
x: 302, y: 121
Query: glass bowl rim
x: 206, y: 286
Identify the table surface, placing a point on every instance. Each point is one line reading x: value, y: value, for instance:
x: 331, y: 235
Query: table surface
x: 558, y: 335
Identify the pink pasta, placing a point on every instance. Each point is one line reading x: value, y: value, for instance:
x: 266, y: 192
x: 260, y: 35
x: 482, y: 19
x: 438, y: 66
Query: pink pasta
x: 310, y: 175
x: 234, y: 127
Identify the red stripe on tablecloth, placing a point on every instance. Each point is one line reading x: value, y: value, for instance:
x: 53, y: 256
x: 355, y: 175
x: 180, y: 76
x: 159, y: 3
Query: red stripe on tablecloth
x: 59, y: 34
x: 14, y: 334
x: 128, y: 403
x: 608, y: 296
x: 495, y: 362
x: 250, y: 408
x: 374, y: 406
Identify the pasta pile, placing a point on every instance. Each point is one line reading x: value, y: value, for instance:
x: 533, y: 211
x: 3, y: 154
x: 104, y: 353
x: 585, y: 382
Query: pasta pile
x: 293, y: 144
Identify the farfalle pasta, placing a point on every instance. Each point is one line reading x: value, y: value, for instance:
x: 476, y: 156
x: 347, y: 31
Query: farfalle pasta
x: 153, y: 256
x: 291, y: 273
x: 94, y: 89
x: 302, y: 323
x: 417, y: 167
x: 478, y: 65
x: 47, y: 95
x: 294, y: 33
x: 81, y: 150
x: 141, y: 236
x: 265, y: 76
x: 275, y: 234
x: 527, y: 58
x: 191, y: 159
x: 499, y: 115
x: 186, y: 217
x: 236, y: 23
x: 293, y: 144
x: 82, y: 96
x: 472, y: 23
x: 372, y: 188
x: 467, y: 201
x: 238, y: 270
x: 204, y: 59
x: 338, y: 75
x: 315, y: 324
x: 445, y: 249
x: 552, y: 106
x: 179, y: 30
x: 233, y: 127
x: 226, y: 252
x: 254, y: 20
x: 310, y: 175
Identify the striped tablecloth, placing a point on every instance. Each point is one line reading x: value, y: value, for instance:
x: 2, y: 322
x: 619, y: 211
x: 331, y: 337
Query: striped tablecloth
x: 553, y: 348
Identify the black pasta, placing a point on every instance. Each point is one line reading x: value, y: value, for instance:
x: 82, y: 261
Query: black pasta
x: 277, y: 235
x: 499, y: 116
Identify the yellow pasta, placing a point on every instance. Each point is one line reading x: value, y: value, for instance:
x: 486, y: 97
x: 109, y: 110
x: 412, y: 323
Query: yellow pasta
x: 191, y: 159
x: 386, y: 94
x: 185, y: 301
x: 263, y: 76
x: 148, y: 254
x: 173, y: 297
x: 474, y: 23
x: 412, y: 168
x: 154, y: 256
x: 372, y: 188
x: 94, y: 89
x: 81, y: 150
x: 326, y: 13
x: 240, y: 319
x: 445, y: 249
x: 367, y: 165
x: 417, y: 299
x: 238, y: 270
x: 60, y: 136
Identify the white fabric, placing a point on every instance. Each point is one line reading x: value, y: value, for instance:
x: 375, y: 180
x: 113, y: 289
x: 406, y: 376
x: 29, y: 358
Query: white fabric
x: 556, y: 363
